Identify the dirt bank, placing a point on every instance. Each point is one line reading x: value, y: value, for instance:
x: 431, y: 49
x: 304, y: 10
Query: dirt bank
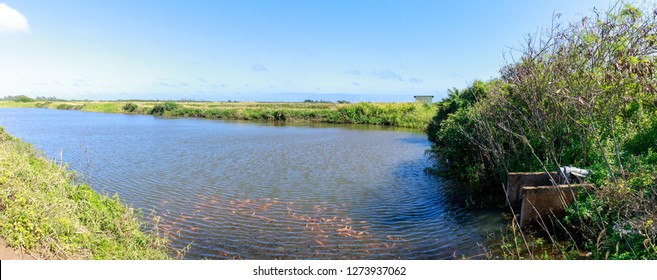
x: 7, y: 253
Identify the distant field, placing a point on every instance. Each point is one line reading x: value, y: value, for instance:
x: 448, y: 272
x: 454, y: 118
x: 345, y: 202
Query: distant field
x: 410, y: 114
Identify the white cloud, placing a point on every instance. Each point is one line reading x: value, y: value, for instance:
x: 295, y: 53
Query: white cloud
x: 354, y: 72
x: 259, y: 68
x: 12, y: 21
x: 387, y: 75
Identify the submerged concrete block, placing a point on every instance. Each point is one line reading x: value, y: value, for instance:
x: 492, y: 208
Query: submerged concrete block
x: 517, y: 180
x: 539, y: 196
x: 542, y: 201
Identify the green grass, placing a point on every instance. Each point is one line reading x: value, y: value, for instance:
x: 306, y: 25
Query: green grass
x: 14, y: 104
x: 410, y: 114
x: 45, y: 211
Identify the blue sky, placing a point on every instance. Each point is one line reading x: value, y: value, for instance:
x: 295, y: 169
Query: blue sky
x: 262, y: 50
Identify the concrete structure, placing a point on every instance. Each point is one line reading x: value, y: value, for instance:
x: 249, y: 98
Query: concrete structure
x: 540, y: 197
x: 424, y: 98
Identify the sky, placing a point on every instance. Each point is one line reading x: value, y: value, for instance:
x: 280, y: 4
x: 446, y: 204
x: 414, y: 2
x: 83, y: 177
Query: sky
x: 248, y: 50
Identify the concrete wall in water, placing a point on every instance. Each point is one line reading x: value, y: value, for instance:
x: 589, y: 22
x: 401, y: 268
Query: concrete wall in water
x: 539, y: 197
x: 516, y: 180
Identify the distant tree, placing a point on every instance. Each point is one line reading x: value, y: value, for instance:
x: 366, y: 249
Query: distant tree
x: 316, y: 101
x: 18, y: 98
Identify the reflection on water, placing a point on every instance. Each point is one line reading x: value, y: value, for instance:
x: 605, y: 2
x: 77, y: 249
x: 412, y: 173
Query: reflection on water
x: 258, y: 191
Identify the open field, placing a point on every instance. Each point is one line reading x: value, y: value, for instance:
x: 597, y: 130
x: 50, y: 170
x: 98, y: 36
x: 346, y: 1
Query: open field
x: 411, y: 115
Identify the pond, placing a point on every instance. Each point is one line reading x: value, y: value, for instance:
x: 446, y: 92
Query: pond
x: 243, y: 190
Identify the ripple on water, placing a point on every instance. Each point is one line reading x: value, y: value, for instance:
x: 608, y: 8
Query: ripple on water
x: 254, y: 191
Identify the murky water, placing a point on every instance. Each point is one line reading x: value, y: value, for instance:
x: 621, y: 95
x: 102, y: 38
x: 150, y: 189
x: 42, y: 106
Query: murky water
x: 262, y: 191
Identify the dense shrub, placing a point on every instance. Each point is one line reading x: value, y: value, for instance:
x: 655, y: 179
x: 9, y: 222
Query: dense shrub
x: 130, y: 107
x: 160, y: 109
x: 65, y: 106
x: 583, y: 94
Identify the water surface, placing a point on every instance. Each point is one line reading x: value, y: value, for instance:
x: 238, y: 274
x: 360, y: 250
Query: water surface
x: 264, y: 191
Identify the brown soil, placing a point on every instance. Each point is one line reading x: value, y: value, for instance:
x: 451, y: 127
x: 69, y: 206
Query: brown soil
x: 7, y: 253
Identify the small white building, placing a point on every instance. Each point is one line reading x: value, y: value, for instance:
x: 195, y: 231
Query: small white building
x: 424, y: 98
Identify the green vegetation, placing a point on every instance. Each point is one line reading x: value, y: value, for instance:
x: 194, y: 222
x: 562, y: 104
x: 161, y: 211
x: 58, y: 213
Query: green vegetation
x: 45, y: 211
x: 130, y: 107
x: 316, y: 101
x: 18, y: 99
x: 583, y: 94
x: 23, y: 98
x: 65, y: 106
x: 411, y: 115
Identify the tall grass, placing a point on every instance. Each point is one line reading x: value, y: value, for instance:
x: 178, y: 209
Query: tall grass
x: 14, y: 104
x: 46, y: 211
x: 410, y: 115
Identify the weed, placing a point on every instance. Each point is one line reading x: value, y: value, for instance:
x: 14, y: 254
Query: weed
x: 46, y: 210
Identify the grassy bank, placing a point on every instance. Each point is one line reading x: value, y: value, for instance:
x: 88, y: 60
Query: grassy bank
x: 411, y: 115
x: 45, y: 211
x: 581, y: 94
